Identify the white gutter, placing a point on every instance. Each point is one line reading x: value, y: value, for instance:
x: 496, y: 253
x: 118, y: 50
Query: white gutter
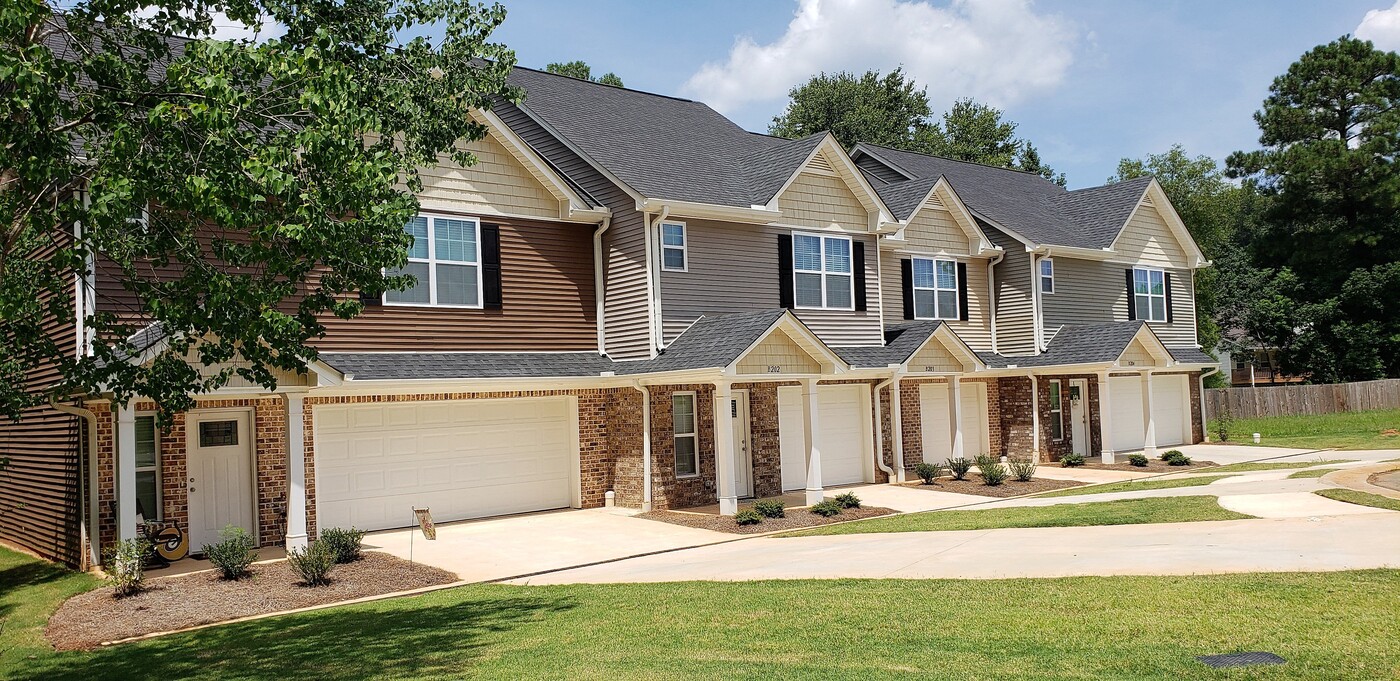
x: 880, y: 431
x: 1038, y: 325
x: 88, y: 529
x: 646, y: 444
x: 653, y: 281
x: 598, y: 282
x: 992, y: 295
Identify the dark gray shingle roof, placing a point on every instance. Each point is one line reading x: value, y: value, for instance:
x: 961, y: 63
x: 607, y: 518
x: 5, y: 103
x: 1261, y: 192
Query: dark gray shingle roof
x: 904, y: 197
x: 1076, y: 344
x: 1192, y: 355
x: 383, y: 366
x: 901, y: 341
x: 710, y: 342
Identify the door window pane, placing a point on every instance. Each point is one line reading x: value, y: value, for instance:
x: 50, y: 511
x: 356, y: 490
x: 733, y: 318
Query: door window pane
x: 218, y: 433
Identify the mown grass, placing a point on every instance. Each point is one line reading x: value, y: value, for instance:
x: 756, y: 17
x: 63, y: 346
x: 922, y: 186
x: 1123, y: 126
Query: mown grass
x: 1271, y: 466
x: 1352, y: 496
x: 1136, y: 486
x: 1327, y: 625
x: 1120, y: 512
x: 1347, y: 430
x: 1313, y: 473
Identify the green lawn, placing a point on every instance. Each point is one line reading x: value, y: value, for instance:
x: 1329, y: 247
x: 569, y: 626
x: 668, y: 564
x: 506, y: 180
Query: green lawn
x: 1121, y: 512
x: 30, y: 590
x: 1352, y: 496
x: 1313, y: 473
x: 1272, y: 466
x: 1136, y: 486
x: 1327, y: 625
x: 1348, y: 430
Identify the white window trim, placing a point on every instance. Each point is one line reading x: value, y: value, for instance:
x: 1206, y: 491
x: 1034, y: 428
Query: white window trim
x: 684, y: 248
x: 1150, y: 295
x: 957, y: 302
x: 159, y: 513
x: 1057, y: 413
x: 694, y: 434
x: 432, y: 262
x: 1047, y: 277
x: 851, y: 248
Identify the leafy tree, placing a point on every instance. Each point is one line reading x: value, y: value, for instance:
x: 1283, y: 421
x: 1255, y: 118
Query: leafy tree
x: 887, y: 110
x: 274, y: 176
x: 975, y: 132
x: 582, y: 71
x: 1029, y: 161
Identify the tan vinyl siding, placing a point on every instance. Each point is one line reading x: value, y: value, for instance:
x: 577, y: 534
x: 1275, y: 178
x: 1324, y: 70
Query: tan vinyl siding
x: 935, y: 357
x: 976, y: 331
x: 497, y: 184
x: 1015, y: 310
x: 779, y: 350
x: 1090, y: 292
x: 814, y: 200
x: 1136, y: 355
x: 934, y: 229
x: 1149, y: 241
x: 734, y: 268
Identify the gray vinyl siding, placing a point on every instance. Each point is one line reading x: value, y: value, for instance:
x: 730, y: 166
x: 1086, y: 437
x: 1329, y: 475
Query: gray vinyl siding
x: 1014, y: 306
x: 625, y: 310
x: 1089, y: 292
x: 881, y: 171
x: 734, y: 268
x: 976, y: 331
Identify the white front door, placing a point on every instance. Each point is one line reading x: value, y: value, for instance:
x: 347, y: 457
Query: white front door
x: 1079, y: 416
x: 743, y: 458
x: 937, y: 428
x: 220, y: 462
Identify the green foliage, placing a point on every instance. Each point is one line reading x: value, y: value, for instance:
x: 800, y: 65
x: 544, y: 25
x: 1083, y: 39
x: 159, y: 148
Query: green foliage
x: 344, y: 545
x: 748, y: 516
x: 1176, y: 458
x: 313, y: 563
x: 126, y: 566
x: 928, y: 471
x: 993, y: 474
x: 1022, y: 467
x: 826, y: 509
x: 233, y: 553
x: 1224, y: 422
x: 959, y: 467
x: 1138, y: 460
x: 582, y: 71
x: 1168, y: 454
x: 770, y: 508
x: 848, y: 500
x: 1072, y: 460
x: 291, y: 160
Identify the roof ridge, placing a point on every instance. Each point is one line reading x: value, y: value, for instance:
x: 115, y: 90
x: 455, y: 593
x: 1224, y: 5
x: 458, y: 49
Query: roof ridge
x: 958, y: 160
x: 614, y: 87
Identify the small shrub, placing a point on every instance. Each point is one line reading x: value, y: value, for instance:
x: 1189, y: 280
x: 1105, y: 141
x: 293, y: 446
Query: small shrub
x: 126, y: 566
x: 928, y: 472
x: 343, y: 544
x: 848, y: 500
x: 1223, y: 423
x: 770, y: 508
x: 748, y: 516
x: 313, y: 563
x: 993, y: 474
x: 233, y: 553
x: 1178, y: 459
x: 959, y: 468
x: 1138, y: 460
x: 1022, y: 468
x: 1072, y: 460
x: 826, y: 509
x: 1167, y: 454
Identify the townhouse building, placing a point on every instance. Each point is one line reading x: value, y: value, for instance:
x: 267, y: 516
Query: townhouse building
x: 631, y: 296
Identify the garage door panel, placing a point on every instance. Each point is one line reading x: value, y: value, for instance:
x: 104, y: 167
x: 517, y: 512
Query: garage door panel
x: 843, y: 434
x: 935, y: 423
x: 1169, y: 416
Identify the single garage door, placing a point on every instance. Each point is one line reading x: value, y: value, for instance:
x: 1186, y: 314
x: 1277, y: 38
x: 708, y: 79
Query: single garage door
x: 938, y: 431
x: 462, y: 459
x: 1169, y: 405
x: 843, y: 426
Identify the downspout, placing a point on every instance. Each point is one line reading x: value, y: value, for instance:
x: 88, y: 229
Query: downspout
x: 880, y: 431
x: 1205, y: 431
x: 992, y: 296
x: 897, y: 423
x: 1037, y: 324
x: 89, y: 528
x: 653, y: 281
x: 598, y: 282
x: 646, y: 444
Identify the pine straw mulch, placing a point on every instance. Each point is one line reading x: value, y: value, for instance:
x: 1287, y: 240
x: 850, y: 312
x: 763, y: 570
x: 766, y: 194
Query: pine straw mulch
x: 1011, y: 488
x: 795, y: 519
x: 97, y: 616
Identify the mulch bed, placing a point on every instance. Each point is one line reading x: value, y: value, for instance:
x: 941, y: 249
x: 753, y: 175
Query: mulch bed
x: 1011, y: 488
x: 1153, y: 466
x: 89, y: 619
x: 796, y: 519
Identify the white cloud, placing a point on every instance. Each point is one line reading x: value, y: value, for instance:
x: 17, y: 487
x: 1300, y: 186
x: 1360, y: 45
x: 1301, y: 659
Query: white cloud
x: 997, y: 51
x: 1382, y: 27
x: 228, y: 29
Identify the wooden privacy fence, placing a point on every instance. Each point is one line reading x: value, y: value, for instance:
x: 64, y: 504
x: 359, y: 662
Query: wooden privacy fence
x: 1292, y: 400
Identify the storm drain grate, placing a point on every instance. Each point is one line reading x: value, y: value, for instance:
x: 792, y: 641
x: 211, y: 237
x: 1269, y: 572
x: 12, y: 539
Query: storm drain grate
x: 1241, y: 659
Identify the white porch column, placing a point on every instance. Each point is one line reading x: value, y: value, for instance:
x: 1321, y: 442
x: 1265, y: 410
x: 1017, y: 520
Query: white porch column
x: 1105, y: 428
x: 1035, y: 418
x: 955, y: 414
x: 724, y: 451
x: 125, y: 460
x: 296, y: 474
x: 1149, y: 436
x: 811, y: 441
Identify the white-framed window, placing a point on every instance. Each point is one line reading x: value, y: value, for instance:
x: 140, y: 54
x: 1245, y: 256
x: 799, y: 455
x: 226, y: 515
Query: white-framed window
x: 148, y: 496
x: 1150, y: 294
x: 673, y: 247
x: 446, y: 259
x: 1057, y: 414
x: 683, y: 434
x: 1047, y: 276
x: 822, y: 272
x: 935, y: 288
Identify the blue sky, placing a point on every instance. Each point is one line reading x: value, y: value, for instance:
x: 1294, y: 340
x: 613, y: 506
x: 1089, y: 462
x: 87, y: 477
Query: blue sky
x: 1089, y: 81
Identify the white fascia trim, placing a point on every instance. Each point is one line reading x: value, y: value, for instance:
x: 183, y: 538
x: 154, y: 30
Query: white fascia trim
x: 572, y: 205
x: 636, y: 196
x: 692, y: 209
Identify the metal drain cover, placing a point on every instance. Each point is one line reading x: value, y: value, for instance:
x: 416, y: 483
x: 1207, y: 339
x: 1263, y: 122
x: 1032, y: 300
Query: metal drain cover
x: 1241, y: 659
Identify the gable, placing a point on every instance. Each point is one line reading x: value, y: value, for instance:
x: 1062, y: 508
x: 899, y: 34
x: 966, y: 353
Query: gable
x: 936, y: 228
x: 934, y: 356
x: 821, y: 201
x: 1147, y: 238
x: 1137, y: 354
x: 498, y: 184
x: 778, y: 354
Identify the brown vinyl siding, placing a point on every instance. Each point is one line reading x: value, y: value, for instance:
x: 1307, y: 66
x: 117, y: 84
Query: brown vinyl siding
x: 1014, y: 307
x: 1091, y: 292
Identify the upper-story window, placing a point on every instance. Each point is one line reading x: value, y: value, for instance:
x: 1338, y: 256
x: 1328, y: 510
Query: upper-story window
x: 1150, y: 294
x: 1047, y: 276
x: 822, y: 271
x: 935, y: 288
x: 446, y: 259
x: 673, y: 246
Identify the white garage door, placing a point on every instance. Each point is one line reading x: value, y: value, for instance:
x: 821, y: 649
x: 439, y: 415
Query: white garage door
x: 844, y: 431
x: 462, y: 459
x: 938, y: 431
x: 1168, y: 403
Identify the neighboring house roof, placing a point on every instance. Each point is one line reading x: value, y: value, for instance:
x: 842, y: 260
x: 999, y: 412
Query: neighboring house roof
x: 384, y: 366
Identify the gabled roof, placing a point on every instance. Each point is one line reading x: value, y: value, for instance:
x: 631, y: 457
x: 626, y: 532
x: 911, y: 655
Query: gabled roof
x: 718, y: 342
x: 903, y: 341
x: 1076, y: 344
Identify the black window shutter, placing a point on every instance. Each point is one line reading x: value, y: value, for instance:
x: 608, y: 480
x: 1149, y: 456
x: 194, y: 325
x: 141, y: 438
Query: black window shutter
x: 962, y: 291
x: 785, y: 293
x: 906, y: 270
x: 858, y: 264
x: 1132, y: 298
x: 1167, y: 288
x: 491, y: 267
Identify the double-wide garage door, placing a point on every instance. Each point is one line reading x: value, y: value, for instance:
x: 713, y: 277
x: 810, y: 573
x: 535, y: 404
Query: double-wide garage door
x: 1170, y: 413
x: 462, y: 459
x: 843, y: 424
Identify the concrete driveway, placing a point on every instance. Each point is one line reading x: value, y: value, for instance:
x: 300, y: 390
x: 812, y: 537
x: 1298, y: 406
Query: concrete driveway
x: 496, y: 548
